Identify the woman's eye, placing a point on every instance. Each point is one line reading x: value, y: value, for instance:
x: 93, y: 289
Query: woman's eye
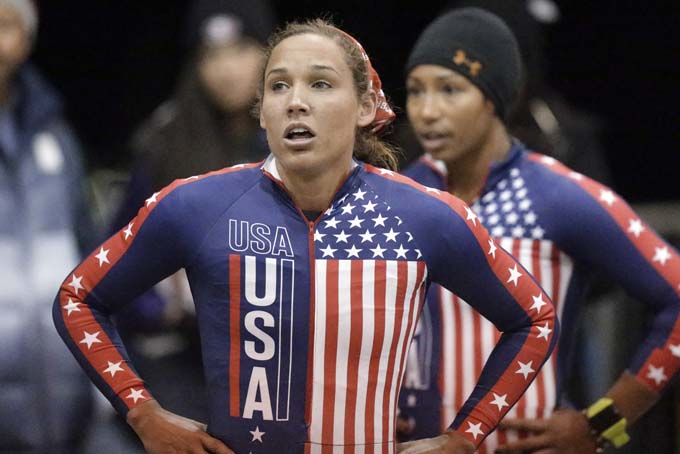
x: 412, y: 91
x: 449, y: 89
x: 321, y: 84
x: 277, y: 86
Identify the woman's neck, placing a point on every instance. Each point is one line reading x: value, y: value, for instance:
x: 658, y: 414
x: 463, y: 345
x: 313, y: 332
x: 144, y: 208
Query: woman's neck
x: 314, y: 191
x: 467, y: 176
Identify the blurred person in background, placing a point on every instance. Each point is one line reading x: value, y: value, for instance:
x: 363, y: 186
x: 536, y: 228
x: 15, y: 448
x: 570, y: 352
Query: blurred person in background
x: 463, y: 75
x: 206, y: 125
x: 45, y: 399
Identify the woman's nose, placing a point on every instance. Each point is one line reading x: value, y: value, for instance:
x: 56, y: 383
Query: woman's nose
x: 297, y: 103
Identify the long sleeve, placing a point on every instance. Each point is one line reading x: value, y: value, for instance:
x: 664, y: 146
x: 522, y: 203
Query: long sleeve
x: 606, y: 234
x: 129, y: 262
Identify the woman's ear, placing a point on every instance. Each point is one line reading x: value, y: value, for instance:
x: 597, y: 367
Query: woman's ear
x: 367, y: 108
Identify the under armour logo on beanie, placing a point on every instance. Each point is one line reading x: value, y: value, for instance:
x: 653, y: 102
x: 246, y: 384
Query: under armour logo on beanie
x: 478, y: 45
x: 461, y: 59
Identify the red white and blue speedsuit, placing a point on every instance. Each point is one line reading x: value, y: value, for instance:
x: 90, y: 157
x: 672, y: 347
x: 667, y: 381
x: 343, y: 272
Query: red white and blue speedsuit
x: 305, y: 325
x: 560, y: 225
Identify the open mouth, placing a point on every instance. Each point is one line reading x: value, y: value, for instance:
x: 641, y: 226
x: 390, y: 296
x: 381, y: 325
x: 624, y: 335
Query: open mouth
x: 432, y: 140
x: 299, y: 133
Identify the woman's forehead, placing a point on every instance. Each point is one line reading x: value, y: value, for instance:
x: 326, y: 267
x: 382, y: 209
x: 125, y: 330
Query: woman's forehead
x: 308, y: 50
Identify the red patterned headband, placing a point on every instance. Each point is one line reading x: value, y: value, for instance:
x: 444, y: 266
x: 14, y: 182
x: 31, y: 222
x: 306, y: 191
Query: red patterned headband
x: 384, y: 114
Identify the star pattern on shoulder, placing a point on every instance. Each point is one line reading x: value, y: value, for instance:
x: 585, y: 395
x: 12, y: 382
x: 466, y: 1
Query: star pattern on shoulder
x: 514, y: 275
x: 607, y: 197
x: 103, y: 256
x: 471, y: 216
x: 127, y: 231
x: 635, y: 227
x: 153, y: 199
x: 492, y: 248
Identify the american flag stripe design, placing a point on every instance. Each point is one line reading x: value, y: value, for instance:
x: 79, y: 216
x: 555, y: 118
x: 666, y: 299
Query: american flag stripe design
x: 662, y: 363
x: 468, y: 338
x: 85, y: 331
x: 365, y: 314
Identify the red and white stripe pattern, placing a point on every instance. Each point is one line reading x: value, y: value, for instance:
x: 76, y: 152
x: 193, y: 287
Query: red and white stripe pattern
x: 468, y: 338
x: 365, y: 316
x: 85, y: 331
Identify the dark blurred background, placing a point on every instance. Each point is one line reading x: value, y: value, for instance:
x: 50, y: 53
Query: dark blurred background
x: 114, y: 61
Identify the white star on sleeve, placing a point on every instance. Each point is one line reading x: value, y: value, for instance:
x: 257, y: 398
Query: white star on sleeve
x: 514, y: 275
x: 525, y: 369
x: 103, y: 256
x: 359, y: 195
x: 538, y: 303
x: 401, y: 252
x: 657, y: 374
x: 90, y: 339
x: 128, y: 230
x: 135, y: 395
x: 328, y: 251
x: 544, y: 331
x: 675, y: 350
x: 75, y: 283
x: 492, y: 248
x: 391, y: 235
x: 607, y: 197
x: 661, y: 255
x: 500, y: 401
x: 378, y: 252
x: 386, y: 172
x: 113, y: 368
x: 548, y: 160
x: 429, y: 189
x: 356, y: 222
x: 152, y: 199
x: 71, y: 306
x: 257, y: 435
x: 368, y: 236
x: 353, y: 252
x: 474, y: 429
x: 635, y: 227
x: 471, y: 216
x: 576, y: 176
x: 318, y: 236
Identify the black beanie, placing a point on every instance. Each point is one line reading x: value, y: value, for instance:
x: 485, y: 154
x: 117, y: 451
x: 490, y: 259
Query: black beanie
x: 478, y: 45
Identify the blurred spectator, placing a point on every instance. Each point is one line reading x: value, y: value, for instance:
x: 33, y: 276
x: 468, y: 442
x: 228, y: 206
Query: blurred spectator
x: 206, y: 125
x: 45, y: 399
